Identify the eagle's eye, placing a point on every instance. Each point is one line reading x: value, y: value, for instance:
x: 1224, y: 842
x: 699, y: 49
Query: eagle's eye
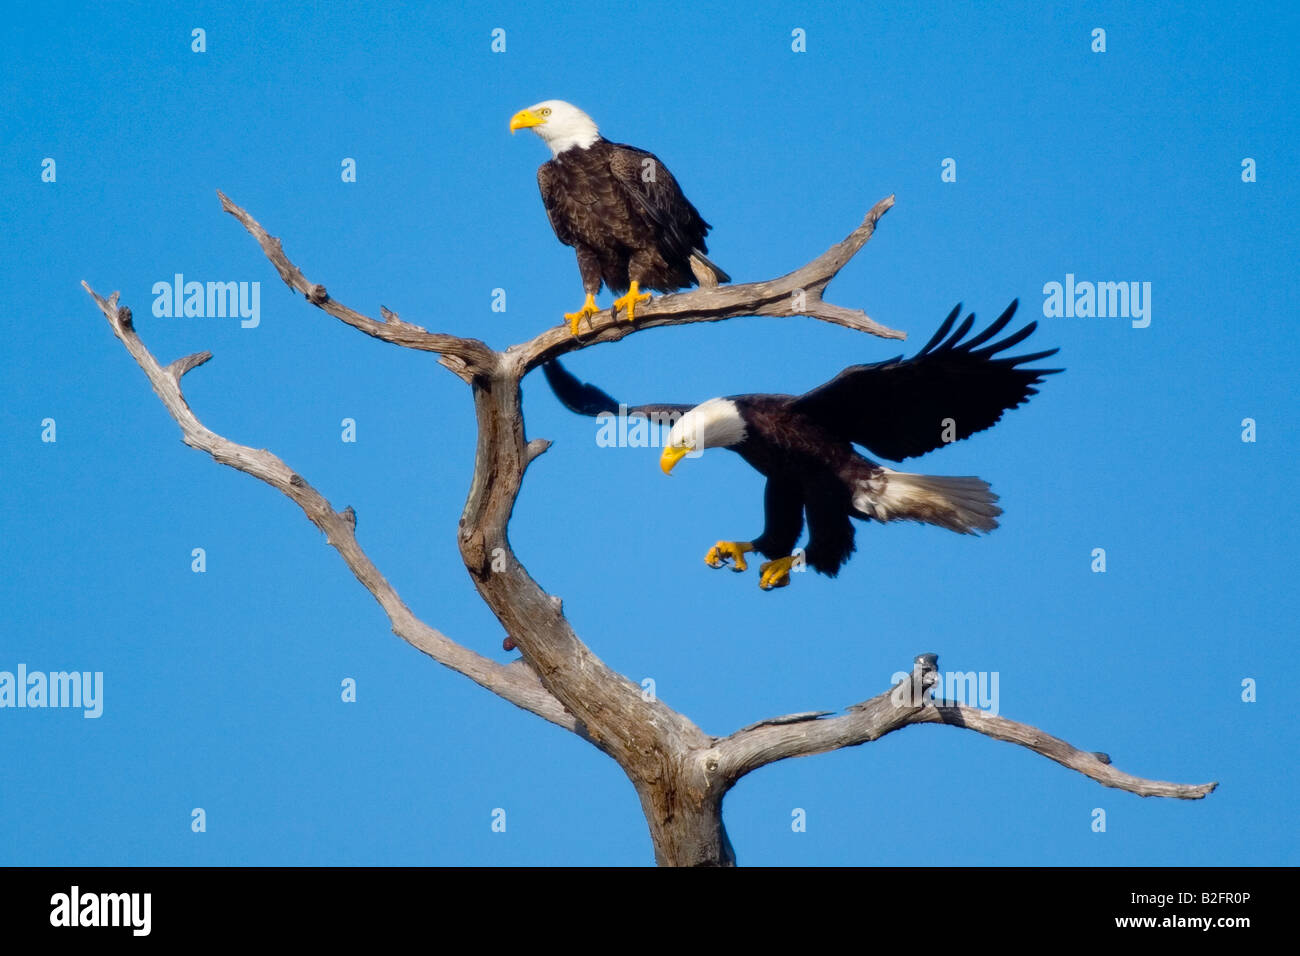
x: 546, y: 111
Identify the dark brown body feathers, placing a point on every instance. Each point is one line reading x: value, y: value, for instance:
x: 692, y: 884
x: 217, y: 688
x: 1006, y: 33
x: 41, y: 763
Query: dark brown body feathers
x: 625, y: 216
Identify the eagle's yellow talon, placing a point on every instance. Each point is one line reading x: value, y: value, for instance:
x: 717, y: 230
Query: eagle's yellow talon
x: 588, y: 309
x: 735, y: 550
x: 775, y: 574
x: 629, y: 301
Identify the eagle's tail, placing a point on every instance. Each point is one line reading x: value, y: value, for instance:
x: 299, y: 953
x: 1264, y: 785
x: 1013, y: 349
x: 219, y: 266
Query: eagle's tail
x: 964, y: 505
x: 706, y: 273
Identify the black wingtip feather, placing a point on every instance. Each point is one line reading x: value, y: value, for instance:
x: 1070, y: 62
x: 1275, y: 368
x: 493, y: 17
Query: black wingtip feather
x: 998, y: 325
x: 954, y: 340
x: 943, y: 330
x: 1034, y: 357
x: 1012, y: 340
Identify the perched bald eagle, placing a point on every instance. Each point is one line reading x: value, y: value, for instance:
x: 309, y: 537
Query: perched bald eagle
x: 621, y: 210
x: 804, y: 444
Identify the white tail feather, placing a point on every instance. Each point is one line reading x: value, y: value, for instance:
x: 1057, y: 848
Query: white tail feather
x: 965, y: 505
x: 706, y: 273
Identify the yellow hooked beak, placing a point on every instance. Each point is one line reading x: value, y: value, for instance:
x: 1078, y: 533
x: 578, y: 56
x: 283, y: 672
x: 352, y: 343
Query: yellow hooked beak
x: 671, y: 457
x: 523, y: 120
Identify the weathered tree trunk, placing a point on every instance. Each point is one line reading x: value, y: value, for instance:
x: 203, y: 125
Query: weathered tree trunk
x: 680, y: 773
x: 652, y: 743
x: 685, y: 826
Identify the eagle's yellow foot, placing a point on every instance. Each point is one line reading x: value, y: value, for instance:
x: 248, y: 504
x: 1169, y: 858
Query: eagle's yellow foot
x: 587, y: 311
x: 775, y: 574
x: 735, y: 550
x: 629, y: 301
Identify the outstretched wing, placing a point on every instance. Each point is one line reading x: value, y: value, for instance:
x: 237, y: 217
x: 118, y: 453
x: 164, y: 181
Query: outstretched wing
x: 587, y: 399
x: 948, y: 391
x: 652, y: 188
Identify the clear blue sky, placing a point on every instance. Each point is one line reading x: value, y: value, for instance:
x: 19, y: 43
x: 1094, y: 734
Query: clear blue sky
x: 222, y: 688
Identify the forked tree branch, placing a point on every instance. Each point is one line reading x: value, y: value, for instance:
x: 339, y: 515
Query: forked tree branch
x: 466, y: 355
x: 517, y: 685
x: 680, y: 773
x: 802, y: 735
x: 796, y: 293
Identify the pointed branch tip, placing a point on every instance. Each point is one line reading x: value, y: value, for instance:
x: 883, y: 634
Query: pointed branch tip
x: 536, y: 447
x: 188, y: 363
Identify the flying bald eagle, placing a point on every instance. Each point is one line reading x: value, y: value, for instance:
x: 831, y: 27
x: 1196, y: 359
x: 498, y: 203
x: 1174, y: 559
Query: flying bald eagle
x: 621, y: 210
x: 804, y: 444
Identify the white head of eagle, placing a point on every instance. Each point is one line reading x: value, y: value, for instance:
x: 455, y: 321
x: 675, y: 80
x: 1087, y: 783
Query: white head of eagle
x: 561, y: 125
x: 716, y: 423
x: 620, y: 209
x: 803, y: 444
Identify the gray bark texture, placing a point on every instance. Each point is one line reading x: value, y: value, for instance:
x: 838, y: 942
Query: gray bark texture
x: 680, y: 773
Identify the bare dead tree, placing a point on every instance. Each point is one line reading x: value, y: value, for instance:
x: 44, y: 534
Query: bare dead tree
x: 680, y: 772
